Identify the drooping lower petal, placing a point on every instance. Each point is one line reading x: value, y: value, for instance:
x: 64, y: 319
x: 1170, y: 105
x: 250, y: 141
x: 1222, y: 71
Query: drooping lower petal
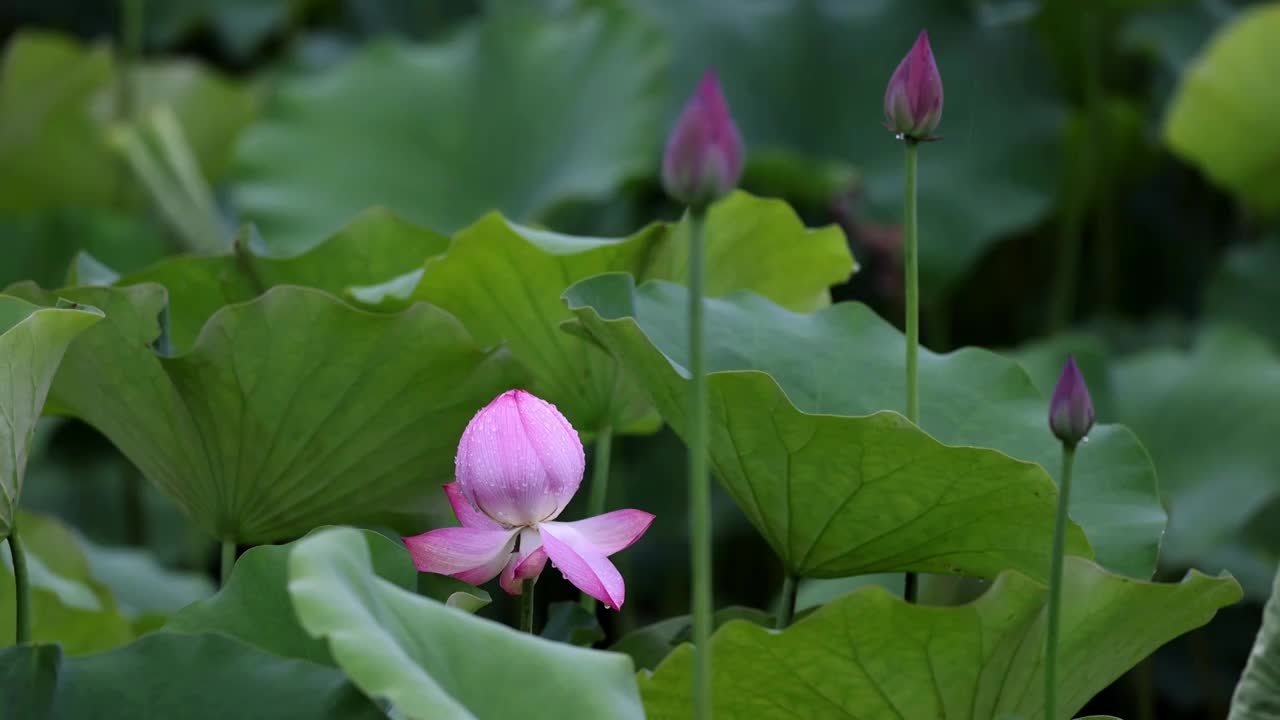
x: 525, y: 564
x: 463, y: 510
x: 582, y: 564
x: 611, y: 532
x: 469, y: 554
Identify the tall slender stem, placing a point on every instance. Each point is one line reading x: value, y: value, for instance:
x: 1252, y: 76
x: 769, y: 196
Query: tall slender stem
x: 228, y: 560
x: 21, y: 588
x: 787, y: 605
x: 526, y: 605
x: 599, y: 488
x: 911, y: 266
x: 699, y: 480
x: 1055, y: 586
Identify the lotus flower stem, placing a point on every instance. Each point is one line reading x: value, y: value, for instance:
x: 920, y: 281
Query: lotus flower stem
x: 1055, y: 587
x: 228, y: 560
x: 787, y: 604
x: 599, y: 487
x: 21, y: 588
x: 699, y: 479
x: 911, y: 266
x: 526, y: 605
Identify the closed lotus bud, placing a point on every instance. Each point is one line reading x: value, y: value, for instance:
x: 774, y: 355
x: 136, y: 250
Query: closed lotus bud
x: 519, y: 461
x: 1071, y: 409
x: 913, y: 100
x: 703, y: 159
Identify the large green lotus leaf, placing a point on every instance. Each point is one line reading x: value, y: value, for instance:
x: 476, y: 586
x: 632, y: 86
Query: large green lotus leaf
x: 167, y: 675
x: 143, y: 589
x: 54, y: 148
x: 432, y: 662
x: 290, y: 411
x: 68, y: 605
x: 870, y: 655
x: 810, y: 76
x: 373, y: 247
x: 1221, y: 118
x: 32, y: 342
x: 254, y: 606
x: 1208, y: 416
x: 504, y: 281
x: 834, y: 495
x: 815, y: 370
x: 510, y: 113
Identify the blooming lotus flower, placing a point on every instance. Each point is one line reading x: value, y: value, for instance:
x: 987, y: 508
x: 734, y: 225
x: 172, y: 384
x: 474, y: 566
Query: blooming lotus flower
x: 518, y: 465
x: 1071, y: 409
x: 703, y: 159
x: 913, y: 100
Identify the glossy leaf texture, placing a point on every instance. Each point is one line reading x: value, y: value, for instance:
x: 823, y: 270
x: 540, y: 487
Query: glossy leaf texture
x: 254, y: 606
x: 1257, y: 696
x: 169, y: 675
x: 33, y: 340
x: 508, y: 113
x: 822, y: 372
x: 504, y: 281
x: 434, y: 662
x: 1212, y: 435
x: 834, y: 495
x: 54, y: 136
x: 810, y: 77
x: 1222, y: 117
x: 374, y: 246
x: 290, y: 411
x: 869, y: 654
x: 69, y: 605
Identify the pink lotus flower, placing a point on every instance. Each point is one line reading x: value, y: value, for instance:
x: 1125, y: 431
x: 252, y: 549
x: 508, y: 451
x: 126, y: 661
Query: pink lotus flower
x: 518, y: 465
x: 703, y: 159
x: 913, y: 99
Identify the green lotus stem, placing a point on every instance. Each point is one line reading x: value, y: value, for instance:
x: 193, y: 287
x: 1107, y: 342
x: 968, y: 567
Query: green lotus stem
x: 228, y: 560
x: 787, y: 605
x: 526, y: 605
x: 1055, y: 587
x: 21, y: 588
x: 699, y: 479
x: 599, y: 488
x: 911, y: 266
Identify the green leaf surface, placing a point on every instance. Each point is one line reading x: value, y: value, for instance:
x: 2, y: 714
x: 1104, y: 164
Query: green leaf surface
x: 375, y: 246
x: 1222, y: 117
x: 165, y: 675
x: 68, y: 605
x: 1212, y: 434
x: 810, y: 77
x: 871, y: 655
x: 1243, y: 290
x: 254, y: 606
x: 291, y: 411
x: 504, y: 281
x: 435, y: 662
x: 54, y: 148
x: 510, y: 113
x: 649, y: 645
x: 32, y: 343
x: 793, y: 398
x: 569, y: 622
x: 140, y: 585
x: 1257, y: 696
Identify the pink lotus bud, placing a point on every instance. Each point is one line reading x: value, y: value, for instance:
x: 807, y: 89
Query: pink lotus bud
x: 519, y: 461
x: 913, y: 100
x: 1071, y: 409
x: 703, y: 159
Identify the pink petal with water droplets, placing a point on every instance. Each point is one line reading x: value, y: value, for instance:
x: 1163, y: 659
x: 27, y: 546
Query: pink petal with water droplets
x: 469, y: 554
x: 582, y: 564
x: 466, y: 514
x: 611, y: 532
